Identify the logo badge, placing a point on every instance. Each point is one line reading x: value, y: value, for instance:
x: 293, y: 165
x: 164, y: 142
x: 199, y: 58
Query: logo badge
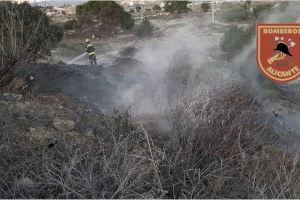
x: 278, y: 51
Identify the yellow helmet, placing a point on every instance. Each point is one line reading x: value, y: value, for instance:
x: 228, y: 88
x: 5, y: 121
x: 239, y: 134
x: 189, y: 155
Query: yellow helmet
x: 87, y: 40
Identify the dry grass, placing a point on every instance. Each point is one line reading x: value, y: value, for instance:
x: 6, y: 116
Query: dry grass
x: 221, y: 148
x: 225, y: 148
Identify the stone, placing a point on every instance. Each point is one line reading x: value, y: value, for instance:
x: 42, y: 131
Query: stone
x: 72, y: 134
x: 11, y: 97
x: 63, y: 125
x: 20, y: 105
x: 32, y: 130
x: 25, y: 183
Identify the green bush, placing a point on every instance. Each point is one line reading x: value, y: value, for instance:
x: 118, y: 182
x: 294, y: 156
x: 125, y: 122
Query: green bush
x: 110, y: 13
x: 70, y: 24
x: 262, y: 9
x: 138, y: 8
x: 235, y: 38
x: 126, y: 21
x: 234, y: 11
x: 241, y: 11
x: 156, y: 7
x: 177, y: 7
x: 205, y: 6
x: 56, y: 34
x: 145, y: 29
x: 131, y: 11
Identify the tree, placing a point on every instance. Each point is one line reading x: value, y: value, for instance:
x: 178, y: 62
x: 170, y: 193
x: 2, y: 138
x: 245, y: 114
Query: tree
x: 156, y: 7
x: 234, y: 11
x: 263, y: 9
x: 126, y: 21
x: 235, y: 38
x: 70, y: 24
x: 176, y: 6
x: 145, y: 29
x: 131, y: 11
x: 110, y: 13
x: 25, y: 35
x: 205, y: 6
x: 138, y: 8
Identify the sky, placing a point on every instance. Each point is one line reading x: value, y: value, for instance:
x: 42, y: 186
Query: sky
x: 53, y: 2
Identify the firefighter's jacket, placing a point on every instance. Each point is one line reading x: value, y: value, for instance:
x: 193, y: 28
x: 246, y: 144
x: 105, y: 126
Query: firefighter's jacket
x: 90, y: 49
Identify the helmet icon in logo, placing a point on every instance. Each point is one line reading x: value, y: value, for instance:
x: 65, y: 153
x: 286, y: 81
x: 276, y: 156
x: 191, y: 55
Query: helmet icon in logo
x: 283, y: 48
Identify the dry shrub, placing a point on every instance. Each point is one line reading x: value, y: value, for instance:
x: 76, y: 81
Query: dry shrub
x: 179, y: 76
x: 20, y: 84
x: 26, y: 35
x: 225, y: 147
x: 16, y: 84
x: 113, y: 162
x: 220, y: 146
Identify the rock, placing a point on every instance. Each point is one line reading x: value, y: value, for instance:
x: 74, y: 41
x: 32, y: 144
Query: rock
x: 20, y: 105
x: 72, y: 134
x: 39, y: 134
x: 24, y: 183
x: 11, y: 97
x: 89, y: 133
x: 63, y: 125
x: 32, y: 130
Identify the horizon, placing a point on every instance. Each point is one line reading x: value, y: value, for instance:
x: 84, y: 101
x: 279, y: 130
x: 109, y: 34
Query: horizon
x: 45, y: 3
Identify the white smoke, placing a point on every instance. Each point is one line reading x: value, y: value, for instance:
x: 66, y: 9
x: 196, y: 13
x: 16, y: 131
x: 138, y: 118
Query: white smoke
x: 187, y: 36
x: 244, y: 64
x: 284, y: 12
x: 197, y: 38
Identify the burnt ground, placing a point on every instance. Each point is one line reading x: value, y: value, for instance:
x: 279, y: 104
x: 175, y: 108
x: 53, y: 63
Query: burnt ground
x: 86, y: 84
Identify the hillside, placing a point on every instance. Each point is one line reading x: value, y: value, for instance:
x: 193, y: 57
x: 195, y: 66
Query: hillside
x: 181, y: 112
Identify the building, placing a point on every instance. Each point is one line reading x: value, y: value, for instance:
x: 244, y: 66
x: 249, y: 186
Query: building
x: 60, y: 14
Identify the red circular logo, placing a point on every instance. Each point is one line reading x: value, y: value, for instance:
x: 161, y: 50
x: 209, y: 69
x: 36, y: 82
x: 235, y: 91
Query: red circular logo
x: 278, y: 51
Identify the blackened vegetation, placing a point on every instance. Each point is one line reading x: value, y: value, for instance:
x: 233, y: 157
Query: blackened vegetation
x: 83, y: 83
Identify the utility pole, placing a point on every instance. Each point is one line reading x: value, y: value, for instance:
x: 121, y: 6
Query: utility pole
x: 213, y: 12
x: 249, y: 6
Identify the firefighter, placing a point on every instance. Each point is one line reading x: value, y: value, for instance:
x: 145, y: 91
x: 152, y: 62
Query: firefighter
x: 90, y: 50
